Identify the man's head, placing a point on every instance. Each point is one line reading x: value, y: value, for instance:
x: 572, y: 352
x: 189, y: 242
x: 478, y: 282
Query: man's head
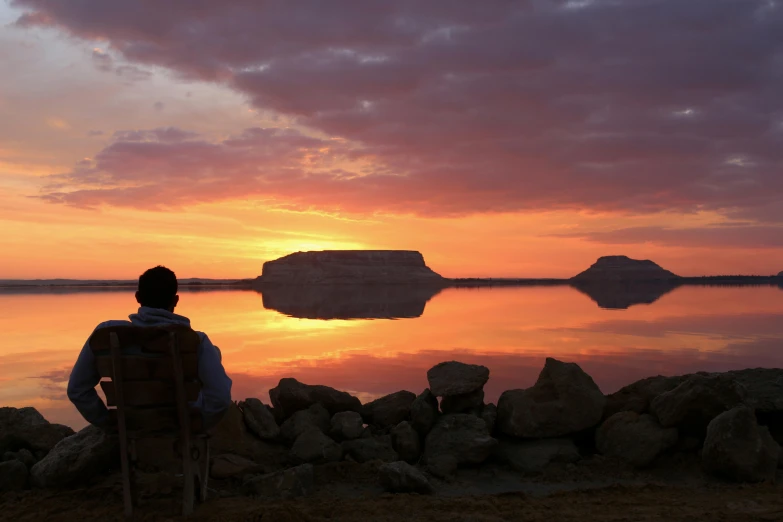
x: 158, y: 289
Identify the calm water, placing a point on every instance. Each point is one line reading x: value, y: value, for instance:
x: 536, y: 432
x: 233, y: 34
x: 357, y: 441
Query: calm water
x: 509, y: 330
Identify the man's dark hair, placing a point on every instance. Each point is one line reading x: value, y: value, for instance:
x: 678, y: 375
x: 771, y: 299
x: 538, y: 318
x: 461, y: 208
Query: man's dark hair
x: 157, y: 288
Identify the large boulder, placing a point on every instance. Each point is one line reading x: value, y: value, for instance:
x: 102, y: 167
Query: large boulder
x: 465, y: 403
x: 227, y: 466
x: 13, y: 475
x: 76, y: 459
x: 314, y: 446
x: 259, y: 419
x: 315, y: 416
x: 27, y: 428
x: 290, y: 396
x: 346, y: 425
x: 463, y: 436
x: 456, y: 378
x: 533, y: 456
x: 371, y: 448
x: 490, y: 415
x: 763, y: 388
x: 637, y: 396
x: 636, y: 439
x: 401, y: 477
x: 231, y: 435
x: 389, y: 410
x: 563, y: 401
x: 696, y: 401
x: 406, y: 442
x: 737, y: 448
x: 442, y: 466
x: 290, y: 483
x: 424, y: 412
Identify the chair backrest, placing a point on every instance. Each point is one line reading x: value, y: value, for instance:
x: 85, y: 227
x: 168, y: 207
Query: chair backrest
x: 152, y: 374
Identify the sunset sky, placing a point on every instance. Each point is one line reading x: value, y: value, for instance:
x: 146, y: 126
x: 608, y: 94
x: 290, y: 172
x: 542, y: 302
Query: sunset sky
x: 514, y: 138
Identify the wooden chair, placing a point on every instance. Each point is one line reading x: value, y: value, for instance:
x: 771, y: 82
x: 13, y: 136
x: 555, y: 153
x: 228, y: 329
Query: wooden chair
x: 153, y: 376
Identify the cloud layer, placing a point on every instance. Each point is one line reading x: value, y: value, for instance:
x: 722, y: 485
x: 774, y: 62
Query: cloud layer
x: 456, y: 107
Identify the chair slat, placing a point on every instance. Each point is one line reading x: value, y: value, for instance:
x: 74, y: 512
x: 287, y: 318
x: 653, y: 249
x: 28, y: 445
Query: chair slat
x: 148, y: 340
x: 139, y: 368
x: 149, y: 393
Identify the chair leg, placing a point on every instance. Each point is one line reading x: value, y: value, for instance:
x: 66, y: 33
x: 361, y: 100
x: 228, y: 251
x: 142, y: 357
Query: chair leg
x: 126, y: 488
x: 203, y: 468
x: 188, y: 495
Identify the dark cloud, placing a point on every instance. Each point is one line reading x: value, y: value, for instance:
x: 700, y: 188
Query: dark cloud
x: 462, y: 106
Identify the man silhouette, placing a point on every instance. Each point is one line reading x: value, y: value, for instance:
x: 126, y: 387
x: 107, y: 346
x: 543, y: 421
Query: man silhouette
x: 157, y: 295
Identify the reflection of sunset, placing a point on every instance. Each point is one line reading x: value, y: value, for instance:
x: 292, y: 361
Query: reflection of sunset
x: 509, y: 330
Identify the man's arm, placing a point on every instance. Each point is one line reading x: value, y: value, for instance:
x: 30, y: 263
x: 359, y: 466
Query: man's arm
x: 81, y: 388
x: 215, y: 384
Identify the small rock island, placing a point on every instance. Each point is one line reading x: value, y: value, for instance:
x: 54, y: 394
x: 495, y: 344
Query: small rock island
x: 623, y: 268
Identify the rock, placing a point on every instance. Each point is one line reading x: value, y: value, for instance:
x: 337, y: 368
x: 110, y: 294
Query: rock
x: 347, y: 425
x: 533, y: 456
x: 291, y: 396
x: 227, y: 466
x: 442, y: 466
x: 76, y: 459
x: 259, y: 419
x: 13, y: 475
x: 24, y: 456
x: 315, y: 416
x: 389, y: 410
x: 737, y: 448
x: 456, y: 378
x: 368, y: 449
x: 763, y: 388
x: 424, y: 412
x: 636, y: 439
x: 26, y: 428
x: 406, y: 442
x: 465, y: 403
x: 314, y: 446
x: 231, y: 435
x: 349, y: 267
x: 563, y: 401
x: 490, y: 414
x: 696, y: 401
x: 462, y: 436
x: 636, y: 397
x: 623, y: 268
x: 401, y: 477
x: 289, y: 483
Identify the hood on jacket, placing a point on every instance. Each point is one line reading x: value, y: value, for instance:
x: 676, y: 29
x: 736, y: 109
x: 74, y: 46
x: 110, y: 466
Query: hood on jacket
x: 147, y: 316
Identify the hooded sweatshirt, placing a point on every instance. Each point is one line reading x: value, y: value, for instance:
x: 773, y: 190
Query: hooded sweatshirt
x: 215, y: 396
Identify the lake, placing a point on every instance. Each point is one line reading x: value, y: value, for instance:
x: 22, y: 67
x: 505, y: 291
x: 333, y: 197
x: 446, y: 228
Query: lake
x: 509, y: 330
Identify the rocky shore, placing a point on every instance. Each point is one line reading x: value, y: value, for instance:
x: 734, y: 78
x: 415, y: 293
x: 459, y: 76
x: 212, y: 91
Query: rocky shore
x: 730, y: 423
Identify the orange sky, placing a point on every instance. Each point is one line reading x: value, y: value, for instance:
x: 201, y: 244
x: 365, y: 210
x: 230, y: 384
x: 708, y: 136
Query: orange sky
x: 66, y: 100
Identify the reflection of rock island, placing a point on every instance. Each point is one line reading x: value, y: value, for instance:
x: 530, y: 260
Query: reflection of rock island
x: 348, y: 301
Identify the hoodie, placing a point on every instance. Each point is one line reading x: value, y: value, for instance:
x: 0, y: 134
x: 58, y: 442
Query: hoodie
x: 215, y: 396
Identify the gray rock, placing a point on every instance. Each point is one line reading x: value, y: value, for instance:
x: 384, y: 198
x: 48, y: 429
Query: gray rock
x: 290, y: 396
x: 347, y: 425
x: 315, y: 416
x: 696, y: 401
x: 389, y: 410
x: 290, y: 483
x: 259, y: 419
x: 442, y: 466
x: 490, y: 414
x: 13, y: 475
x: 227, y: 466
x: 636, y: 439
x: 424, y: 412
x: 636, y: 397
x: 314, y: 446
x: 456, y: 378
x: 369, y: 449
x: 23, y: 455
x: 737, y: 448
x: 406, y: 442
x: 564, y: 400
x: 462, y: 436
x: 465, y: 403
x: 533, y: 456
x: 26, y: 428
x: 763, y: 388
x: 76, y: 459
x: 401, y: 477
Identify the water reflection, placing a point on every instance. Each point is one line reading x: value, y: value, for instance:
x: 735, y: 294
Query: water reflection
x: 348, y: 301
x: 620, y: 295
